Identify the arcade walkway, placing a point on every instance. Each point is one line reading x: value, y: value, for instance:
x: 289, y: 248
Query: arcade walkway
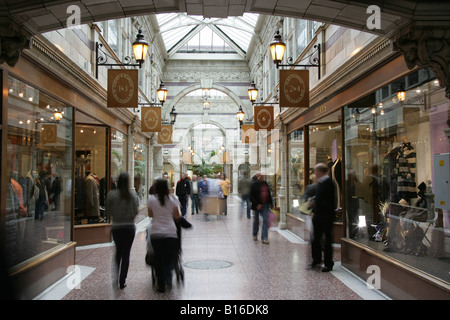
x: 257, y: 271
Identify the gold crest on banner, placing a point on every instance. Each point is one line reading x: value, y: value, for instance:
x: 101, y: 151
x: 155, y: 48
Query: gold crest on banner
x: 165, y: 135
x: 122, y: 88
x: 294, y: 88
x: 151, y: 119
x: 264, y: 118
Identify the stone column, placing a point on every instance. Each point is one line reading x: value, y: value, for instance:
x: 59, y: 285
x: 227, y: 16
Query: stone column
x: 427, y: 46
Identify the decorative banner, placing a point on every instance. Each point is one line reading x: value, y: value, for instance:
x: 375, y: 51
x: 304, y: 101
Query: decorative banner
x: 49, y: 133
x: 263, y: 118
x: 225, y: 157
x: 122, y: 88
x: 165, y: 135
x: 151, y: 119
x: 294, y: 88
x: 248, y: 133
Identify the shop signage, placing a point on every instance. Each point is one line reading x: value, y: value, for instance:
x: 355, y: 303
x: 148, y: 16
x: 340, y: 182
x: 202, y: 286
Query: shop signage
x: 263, y: 118
x: 294, y: 88
x: 165, y: 135
x: 122, y: 88
x: 49, y: 133
x: 151, y: 119
x: 187, y: 157
x: 248, y: 133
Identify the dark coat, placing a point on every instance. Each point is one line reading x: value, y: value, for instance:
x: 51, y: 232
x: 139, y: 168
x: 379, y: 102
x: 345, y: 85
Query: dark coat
x: 183, y: 188
x: 255, y: 194
x: 324, y: 210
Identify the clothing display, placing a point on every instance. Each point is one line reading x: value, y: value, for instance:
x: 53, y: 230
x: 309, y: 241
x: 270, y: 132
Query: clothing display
x: 400, y: 167
x: 92, y: 195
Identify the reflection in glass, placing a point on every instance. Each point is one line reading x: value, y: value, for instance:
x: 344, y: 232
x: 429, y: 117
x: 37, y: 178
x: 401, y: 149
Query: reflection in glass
x: 39, y: 159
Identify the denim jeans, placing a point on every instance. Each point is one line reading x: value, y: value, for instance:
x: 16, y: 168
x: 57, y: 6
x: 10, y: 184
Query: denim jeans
x: 246, y: 200
x: 264, y: 212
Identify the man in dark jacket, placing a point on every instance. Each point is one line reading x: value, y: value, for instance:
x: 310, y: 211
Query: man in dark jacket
x: 323, y: 217
x: 182, y: 191
x: 261, y: 202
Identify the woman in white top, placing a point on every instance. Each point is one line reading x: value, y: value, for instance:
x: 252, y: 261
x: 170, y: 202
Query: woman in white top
x: 164, y: 209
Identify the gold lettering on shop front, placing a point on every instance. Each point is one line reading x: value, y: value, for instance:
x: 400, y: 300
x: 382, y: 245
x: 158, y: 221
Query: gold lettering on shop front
x: 320, y: 110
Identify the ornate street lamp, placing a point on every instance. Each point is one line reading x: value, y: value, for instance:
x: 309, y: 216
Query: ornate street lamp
x: 173, y: 116
x: 162, y: 93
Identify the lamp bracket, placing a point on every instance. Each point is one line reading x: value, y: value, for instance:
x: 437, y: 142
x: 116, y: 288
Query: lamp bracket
x: 102, y: 60
x: 314, y: 62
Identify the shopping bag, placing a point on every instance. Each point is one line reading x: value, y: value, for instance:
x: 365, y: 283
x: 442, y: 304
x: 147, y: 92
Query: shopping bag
x: 272, y: 217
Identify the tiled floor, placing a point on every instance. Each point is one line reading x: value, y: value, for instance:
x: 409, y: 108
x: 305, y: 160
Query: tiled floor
x: 277, y: 271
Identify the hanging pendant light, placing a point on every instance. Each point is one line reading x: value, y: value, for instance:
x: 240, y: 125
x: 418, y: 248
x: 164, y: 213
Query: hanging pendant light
x: 140, y: 48
x: 252, y: 92
x: 277, y: 48
x: 162, y: 93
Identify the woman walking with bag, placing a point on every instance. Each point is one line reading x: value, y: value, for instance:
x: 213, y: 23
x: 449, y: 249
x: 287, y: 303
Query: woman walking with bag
x: 121, y: 205
x: 164, y: 210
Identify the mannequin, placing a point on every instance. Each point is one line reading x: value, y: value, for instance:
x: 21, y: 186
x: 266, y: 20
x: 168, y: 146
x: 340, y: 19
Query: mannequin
x: 92, y: 195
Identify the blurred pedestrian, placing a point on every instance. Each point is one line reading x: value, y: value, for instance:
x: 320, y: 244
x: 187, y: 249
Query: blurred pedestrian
x: 182, y: 191
x: 122, y: 207
x: 323, y: 214
x: 244, y: 188
x: 261, y: 202
x: 225, y: 185
x: 163, y: 208
x: 195, y: 194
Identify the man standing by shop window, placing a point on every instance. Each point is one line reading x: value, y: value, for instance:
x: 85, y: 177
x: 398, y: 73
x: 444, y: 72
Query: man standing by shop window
x: 182, y: 191
x: 323, y: 214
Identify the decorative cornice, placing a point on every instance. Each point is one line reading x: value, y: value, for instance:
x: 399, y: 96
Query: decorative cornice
x: 427, y: 46
x: 13, y: 39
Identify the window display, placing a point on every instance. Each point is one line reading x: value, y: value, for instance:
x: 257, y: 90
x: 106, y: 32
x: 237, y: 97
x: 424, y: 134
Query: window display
x: 91, y: 174
x: 39, y: 159
x: 390, y: 148
x: 296, y: 180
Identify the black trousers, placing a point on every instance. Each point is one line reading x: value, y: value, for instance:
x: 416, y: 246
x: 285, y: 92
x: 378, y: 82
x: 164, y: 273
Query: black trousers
x: 322, y: 228
x: 123, y: 238
x: 166, y: 255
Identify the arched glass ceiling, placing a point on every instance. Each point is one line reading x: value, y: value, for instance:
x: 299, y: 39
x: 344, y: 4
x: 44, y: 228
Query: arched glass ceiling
x: 184, y: 33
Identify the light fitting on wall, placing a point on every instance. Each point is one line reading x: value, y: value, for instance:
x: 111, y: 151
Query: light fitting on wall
x: 278, y: 48
x: 401, y: 94
x: 140, y: 49
x: 173, y: 116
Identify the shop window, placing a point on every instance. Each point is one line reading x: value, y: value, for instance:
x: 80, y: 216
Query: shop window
x: 91, y: 174
x: 325, y: 146
x: 296, y: 160
x: 118, y: 153
x: 140, y: 172
x: 39, y: 177
x: 391, y: 181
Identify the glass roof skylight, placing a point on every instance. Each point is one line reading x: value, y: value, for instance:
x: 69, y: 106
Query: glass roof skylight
x: 184, y: 33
